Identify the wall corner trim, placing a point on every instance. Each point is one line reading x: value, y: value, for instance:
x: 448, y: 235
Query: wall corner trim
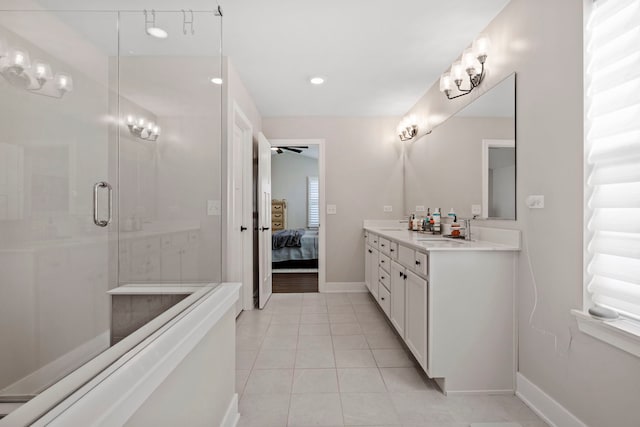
x: 232, y: 416
x: 545, y: 406
x: 330, y: 287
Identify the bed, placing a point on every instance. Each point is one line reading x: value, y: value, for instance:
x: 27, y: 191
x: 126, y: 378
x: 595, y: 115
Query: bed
x: 299, y: 252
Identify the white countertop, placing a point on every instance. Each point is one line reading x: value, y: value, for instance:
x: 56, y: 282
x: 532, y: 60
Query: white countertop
x: 505, y: 240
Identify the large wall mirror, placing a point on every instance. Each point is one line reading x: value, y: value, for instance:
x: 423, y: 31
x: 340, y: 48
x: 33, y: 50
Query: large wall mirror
x: 468, y: 162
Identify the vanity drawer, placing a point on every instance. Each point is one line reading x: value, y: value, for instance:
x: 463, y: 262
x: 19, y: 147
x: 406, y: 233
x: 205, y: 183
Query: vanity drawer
x: 384, y: 262
x: 406, y: 256
x: 393, y: 250
x: 384, y: 278
x: 372, y: 239
x: 384, y: 299
x: 421, y: 263
x: 277, y: 216
x: 384, y: 245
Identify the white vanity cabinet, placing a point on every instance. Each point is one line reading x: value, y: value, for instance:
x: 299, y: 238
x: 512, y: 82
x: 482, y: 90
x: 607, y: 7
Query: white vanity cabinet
x: 453, y: 305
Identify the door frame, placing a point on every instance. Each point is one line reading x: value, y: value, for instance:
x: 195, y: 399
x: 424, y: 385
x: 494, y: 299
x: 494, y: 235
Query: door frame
x: 239, y: 118
x: 322, y: 231
x: 486, y: 144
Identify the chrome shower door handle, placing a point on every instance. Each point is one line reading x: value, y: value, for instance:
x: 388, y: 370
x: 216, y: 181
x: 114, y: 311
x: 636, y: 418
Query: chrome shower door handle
x: 96, y: 188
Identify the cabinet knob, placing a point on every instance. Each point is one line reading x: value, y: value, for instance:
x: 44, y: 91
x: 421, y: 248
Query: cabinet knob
x: 370, y: 251
x: 382, y: 277
x: 382, y: 244
x: 405, y: 276
x: 417, y: 262
x: 382, y: 298
x: 392, y: 250
x: 242, y: 228
x: 401, y: 274
x: 382, y: 261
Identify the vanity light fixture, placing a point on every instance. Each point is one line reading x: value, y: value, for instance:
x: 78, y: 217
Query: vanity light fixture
x: 470, y: 66
x: 408, y: 129
x: 151, y: 28
x: 34, y: 76
x: 142, y: 128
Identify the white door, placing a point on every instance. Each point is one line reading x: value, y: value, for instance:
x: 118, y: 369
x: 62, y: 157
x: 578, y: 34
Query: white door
x: 240, y: 253
x: 264, y: 220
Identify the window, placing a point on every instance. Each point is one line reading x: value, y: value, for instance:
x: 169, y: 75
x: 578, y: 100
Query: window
x: 313, y: 202
x: 612, y: 172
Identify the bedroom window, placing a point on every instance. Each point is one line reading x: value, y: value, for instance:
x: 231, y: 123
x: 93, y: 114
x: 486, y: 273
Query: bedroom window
x: 612, y: 171
x: 313, y: 202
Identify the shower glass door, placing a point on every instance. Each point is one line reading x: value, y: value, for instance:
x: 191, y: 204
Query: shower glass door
x: 58, y: 139
x: 170, y: 149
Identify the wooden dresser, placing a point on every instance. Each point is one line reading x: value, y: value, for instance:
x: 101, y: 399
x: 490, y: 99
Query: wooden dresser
x: 278, y: 214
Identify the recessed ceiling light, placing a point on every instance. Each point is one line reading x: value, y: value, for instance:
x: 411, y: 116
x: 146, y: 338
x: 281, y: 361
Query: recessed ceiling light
x: 316, y: 80
x: 216, y: 80
x: 157, y: 32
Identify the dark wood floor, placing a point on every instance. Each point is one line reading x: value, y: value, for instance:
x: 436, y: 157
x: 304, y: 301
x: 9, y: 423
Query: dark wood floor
x: 295, y: 282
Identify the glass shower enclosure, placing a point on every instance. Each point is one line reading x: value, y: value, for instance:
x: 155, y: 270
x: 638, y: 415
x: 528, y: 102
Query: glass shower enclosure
x: 110, y: 160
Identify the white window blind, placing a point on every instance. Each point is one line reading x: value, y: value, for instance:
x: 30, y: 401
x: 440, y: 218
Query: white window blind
x: 612, y: 156
x: 313, y: 202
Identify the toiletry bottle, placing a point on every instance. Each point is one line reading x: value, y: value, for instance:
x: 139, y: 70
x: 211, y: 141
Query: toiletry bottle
x: 410, y: 222
x: 452, y: 216
x: 436, y: 220
x: 415, y: 223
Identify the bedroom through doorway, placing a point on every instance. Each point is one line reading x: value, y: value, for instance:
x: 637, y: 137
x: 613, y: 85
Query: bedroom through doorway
x: 295, y: 217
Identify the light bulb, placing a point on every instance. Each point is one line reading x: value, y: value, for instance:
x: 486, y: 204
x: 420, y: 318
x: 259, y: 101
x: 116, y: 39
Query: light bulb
x: 141, y: 122
x: 19, y: 59
x: 130, y: 119
x: 150, y: 126
x: 64, y: 82
x: 156, y: 130
x: 216, y: 80
x: 157, y: 32
x: 457, y: 71
x: 316, y: 80
x: 469, y: 62
x: 445, y: 82
x: 43, y: 71
x: 481, y: 48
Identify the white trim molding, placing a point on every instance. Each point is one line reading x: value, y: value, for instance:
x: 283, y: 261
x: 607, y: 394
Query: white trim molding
x: 486, y: 144
x: 352, y: 287
x: 621, y: 333
x: 545, y: 406
x: 232, y: 416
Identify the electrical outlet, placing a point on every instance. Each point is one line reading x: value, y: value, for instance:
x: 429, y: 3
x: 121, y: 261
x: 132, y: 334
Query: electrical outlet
x: 476, y: 209
x: 387, y: 208
x: 535, y: 202
x: 420, y: 208
x: 213, y: 207
x: 331, y: 209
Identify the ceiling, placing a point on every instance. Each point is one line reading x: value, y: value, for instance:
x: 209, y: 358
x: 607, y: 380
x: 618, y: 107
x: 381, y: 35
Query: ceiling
x: 378, y: 58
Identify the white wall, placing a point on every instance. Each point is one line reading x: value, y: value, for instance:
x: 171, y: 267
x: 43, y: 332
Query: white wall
x: 363, y: 173
x: 542, y: 41
x: 289, y: 174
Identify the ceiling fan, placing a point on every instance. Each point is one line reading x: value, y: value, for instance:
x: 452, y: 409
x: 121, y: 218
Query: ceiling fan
x: 296, y: 149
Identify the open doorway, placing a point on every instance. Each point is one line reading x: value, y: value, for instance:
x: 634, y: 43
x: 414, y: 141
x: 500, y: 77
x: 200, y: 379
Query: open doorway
x: 295, y: 215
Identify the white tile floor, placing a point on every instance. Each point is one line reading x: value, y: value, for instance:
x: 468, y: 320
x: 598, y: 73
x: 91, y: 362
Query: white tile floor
x: 333, y: 360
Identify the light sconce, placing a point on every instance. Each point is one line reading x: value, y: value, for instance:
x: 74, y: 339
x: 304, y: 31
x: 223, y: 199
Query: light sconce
x: 36, y: 77
x: 142, y: 128
x: 408, y: 129
x: 470, y: 66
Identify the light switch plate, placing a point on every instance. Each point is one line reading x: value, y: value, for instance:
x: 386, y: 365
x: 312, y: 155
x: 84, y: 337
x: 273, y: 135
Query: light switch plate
x: 535, y: 202
x: 387, y: 208
x: 213, y: 207
x: 331, y: 209
x: 420, y: 208
x: 476, y: 209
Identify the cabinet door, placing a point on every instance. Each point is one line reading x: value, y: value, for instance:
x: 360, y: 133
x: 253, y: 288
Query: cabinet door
x: 397, y: 311
x: 416, y: 327
x: 367, y: 265
x: 373, y: 271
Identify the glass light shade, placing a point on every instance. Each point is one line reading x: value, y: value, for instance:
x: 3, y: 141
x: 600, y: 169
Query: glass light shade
x: 64, y: 82
x: 150, y: 126
x: 141, y: 122
x: 481, y: 46
x: 457, y: 72
x: 42, y: 70
x: 130, y: 119
x: 445, y: 82
x: 470, y: 62
x: 156, y: 130
x: 19, y: 58
x: 157, y: 32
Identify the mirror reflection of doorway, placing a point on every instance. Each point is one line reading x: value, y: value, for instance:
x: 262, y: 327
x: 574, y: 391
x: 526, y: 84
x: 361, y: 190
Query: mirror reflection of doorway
x: 295, y: 218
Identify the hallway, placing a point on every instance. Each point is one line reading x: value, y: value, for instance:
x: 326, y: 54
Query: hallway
x: 333, y: 360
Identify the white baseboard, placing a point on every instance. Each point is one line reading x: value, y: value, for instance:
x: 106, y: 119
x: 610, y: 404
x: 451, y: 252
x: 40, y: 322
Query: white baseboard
x: 232, y: 416
x: 545, y: 406
x: 344, y: 287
